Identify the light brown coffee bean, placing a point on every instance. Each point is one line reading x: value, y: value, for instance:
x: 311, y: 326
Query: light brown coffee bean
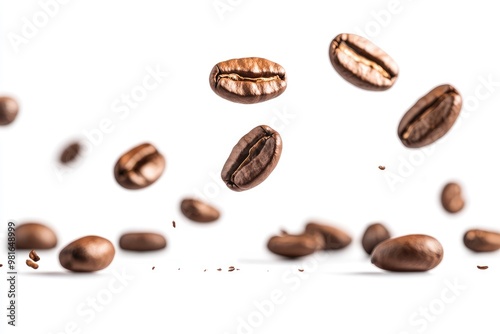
x: 451, y: 198
x: 294, y: 246
x: 34, y: 256
x: 199, y: 211
x: 139, y: 167
x: 31, y: 264
x: 482, y: 240
x: 87, y: 254
x: 142, y: 241
x: 35, y: 236
x: 414, y: 252
x: 374, y: 234
x: 334, y: 238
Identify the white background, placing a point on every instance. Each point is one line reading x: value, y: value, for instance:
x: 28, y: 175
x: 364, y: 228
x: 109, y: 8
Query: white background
x: 68, y: 75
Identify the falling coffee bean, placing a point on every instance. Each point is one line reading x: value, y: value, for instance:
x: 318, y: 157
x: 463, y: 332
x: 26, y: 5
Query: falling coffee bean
x: 414, y: 252
x: 293, y: 246
x: 374, y: 234
x: 139, y: 167
x: 431, y: 117
x: 9, y: 109
x: 199, y: 211
x: 481, y: 240
x: 34, y: 256
x: 334, y: 238
x: 87, y: 254
x: 248, y: 80
x: 362, y: 63
x: 35, y: 236
x: 252, y: 159
x: 142, y: 241
x: 70, y: 153
x: 31, y: 264
x: 451, y: 198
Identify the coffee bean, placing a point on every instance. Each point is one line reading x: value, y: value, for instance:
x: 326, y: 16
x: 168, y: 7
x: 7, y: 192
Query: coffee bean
x: 9, y: 109
x: 293, y: 246
x: 482, y: 267
x: 34, y: 256
x: 90, y: 253
x: 35, y: 236
x: 414, y: 252
x: 70, y: 153
x: 431, y: 117
x: 482, y: 240
x: 374, y: 234
x: 248, y: 80
x: 362, y: 63
x: 139, y: 167
x: 334, y: 238
x: 252, y: 159
x: 31, y: 264
x: 199, y: 211
x: 142, y: 241
x: 451, y: 198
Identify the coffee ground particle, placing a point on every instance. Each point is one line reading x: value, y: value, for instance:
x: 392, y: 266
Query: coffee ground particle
x: 34, y: 256
x: 482, y: 267
x: 381, y: 167
x: 220, y: 269
x: 231, y: 268
x: 301, y: 270
x: 153, y: 268
x: 173, y: 223
x: 31, y: 264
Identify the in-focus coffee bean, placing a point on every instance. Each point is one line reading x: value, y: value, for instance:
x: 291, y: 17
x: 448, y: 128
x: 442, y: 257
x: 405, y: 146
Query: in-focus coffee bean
x: 414, y: 252
x: 199, y: 211
x: 9, y: 108
x: 139, y: 167
x: 142, y: 241
x: 362, y: 63
x: 482, y: 240
x: 374, y: 234
x: 431, y: 117
x: 248, y: 80
x: 34, y: 256
x: 334, y: 238
x: 87, y: 254
x: 294, y: 246
x: 252, y: 159
x: 451, y: 198
x: 35, y: 236
x: 70, y: 153
x: 31, y: 264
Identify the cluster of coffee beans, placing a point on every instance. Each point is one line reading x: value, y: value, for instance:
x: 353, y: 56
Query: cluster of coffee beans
x: 253, y: 158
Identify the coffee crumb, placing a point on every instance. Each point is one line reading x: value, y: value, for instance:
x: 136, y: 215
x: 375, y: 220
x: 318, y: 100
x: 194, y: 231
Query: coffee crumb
x: 231, y: 268
x: 153, y: 268
x: 237, y: 268
x: 220, y: 269
x: 34, y: 256
x: 1, y: 265
x: 204, y: 270
x: 381, y: 167
x: 178, y: 268
x: 482, y: 267
x: 301, y: 270
x: 31, y: 264
x: 173, y: 223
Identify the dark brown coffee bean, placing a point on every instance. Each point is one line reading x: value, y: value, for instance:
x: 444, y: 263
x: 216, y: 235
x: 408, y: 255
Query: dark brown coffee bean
x: 381, y: 167
x: 199, y: 211
x: 35, y: 236
x: 431, y: 117
x: 374, y: 234
x: 252, y: 159
x: 451, y: 198
x: 142, y: 241
x: 90, y: 253
x: 414, y: 252
x: 482, y: 267
x: 31, y: 264
x: 293, y: 246
x: 248, y: 80
x: 482, y: 240
x: 140, y: 167
x: 34, y: 256
x: 362, y: 63
x: 334, y: 238
x: 8, y: 110
x: 70, y: 153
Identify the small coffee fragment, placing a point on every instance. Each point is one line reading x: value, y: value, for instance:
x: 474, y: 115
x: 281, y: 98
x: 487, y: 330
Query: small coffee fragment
x: 173, y: 223
x: 219, y: 269
x: 1, y: 265
x: 301, y: 270
x: 381, y: 167
x: 153, y: 268
x: 70, y: 153
x: 231, y: 268
x: 32, y: 264
x: 34, y: 256
x: 482, y: 267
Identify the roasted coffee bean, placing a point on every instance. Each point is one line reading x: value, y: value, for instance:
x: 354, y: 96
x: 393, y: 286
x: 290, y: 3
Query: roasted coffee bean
x: 70, y: 153
x: 31, y: 264
x: 199, y: 211
x: 374, y: 234
x: 293, y: 246
x: 414, y: 252
x: 248, y: 80
x: 334, y: 238
x: 482, y: 240
x: 252, y: 159
x: 142, y: 241
x: 35, y: 236
x: 431, y: 117
x: 8, y: 110
x: 362, y: 63
x: 139, y: 167
x: 451, y: 198
x: 90, y: 253
x: 34, y: 256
